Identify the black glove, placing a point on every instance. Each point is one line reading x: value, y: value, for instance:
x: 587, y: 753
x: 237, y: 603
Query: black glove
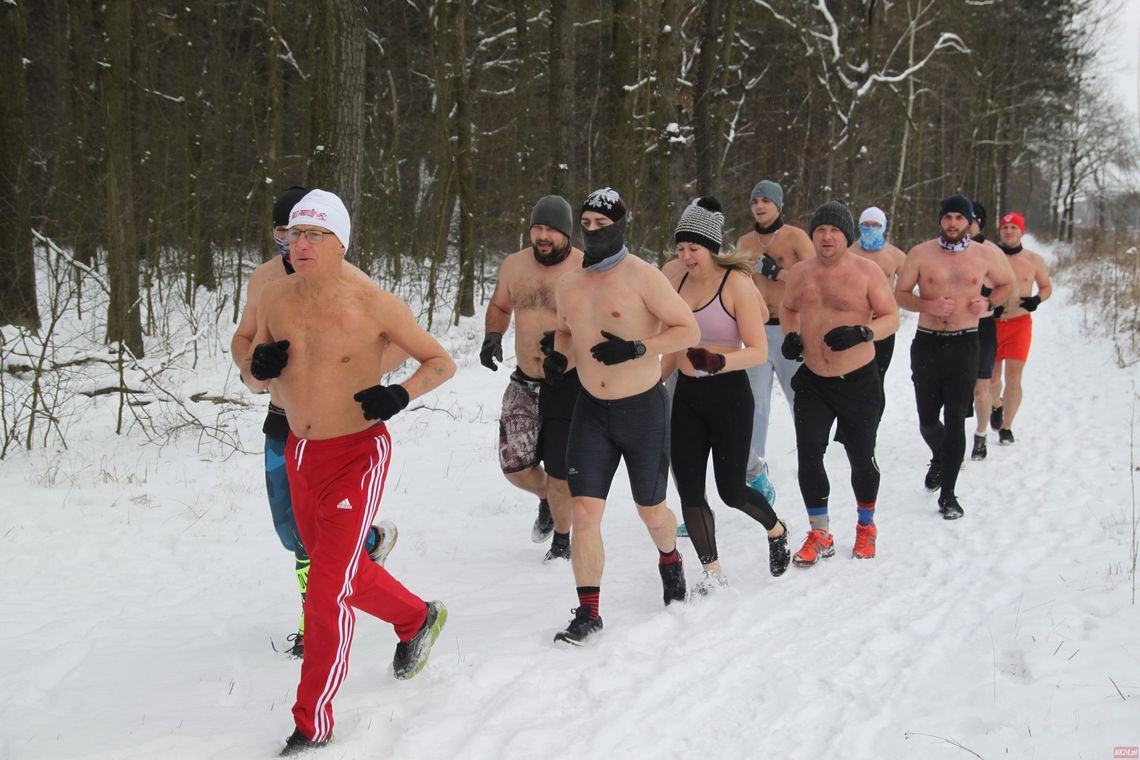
x: 1030, y: 303
x: 554, y: 367
x: 615, y: 350
x: 269, y: 359
x: 793, y: 348
x: 843, y: 338
x: 768, y: 267
x: 546, y: 343
x: 382, y: 401
x: 998, y: 311
x: 705, y: 360
x: 492, y: 347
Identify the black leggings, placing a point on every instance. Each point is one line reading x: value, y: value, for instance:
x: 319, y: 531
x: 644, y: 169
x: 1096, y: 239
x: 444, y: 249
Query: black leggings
x: 714, y: 414
x: 944, y: 368
x: 856, y: 401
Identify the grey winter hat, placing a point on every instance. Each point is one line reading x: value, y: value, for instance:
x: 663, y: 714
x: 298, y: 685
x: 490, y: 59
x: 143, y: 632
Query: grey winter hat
x: 836, y: 214
x: 702, y: 222
x: 766, y: 188
x: 553, y: 211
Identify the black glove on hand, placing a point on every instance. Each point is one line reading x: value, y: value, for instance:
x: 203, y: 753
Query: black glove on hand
x: 554, y: 367
x: 998, y: 311
x: 546, y: 343
x: 492, y: 347
x: 705, y: 360
x: 615, y: 350
x: 843, y: 338
x: 382, y: 401
x: 768, y: 267
x: 1030, y: 303
x: 269, y: 359
x: 793, y: 348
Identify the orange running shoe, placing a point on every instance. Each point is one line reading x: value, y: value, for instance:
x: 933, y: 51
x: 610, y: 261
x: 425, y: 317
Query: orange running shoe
x: 865, y: 542
x: 819, y: 545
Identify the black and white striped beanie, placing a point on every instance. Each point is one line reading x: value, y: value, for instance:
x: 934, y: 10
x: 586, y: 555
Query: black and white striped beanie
x: 702, y: 222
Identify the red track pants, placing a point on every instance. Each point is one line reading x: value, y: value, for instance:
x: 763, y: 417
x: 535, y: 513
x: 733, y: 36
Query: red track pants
x: 336, y: 486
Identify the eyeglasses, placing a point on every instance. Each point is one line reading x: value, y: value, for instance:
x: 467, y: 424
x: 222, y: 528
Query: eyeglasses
x: 313, y: 236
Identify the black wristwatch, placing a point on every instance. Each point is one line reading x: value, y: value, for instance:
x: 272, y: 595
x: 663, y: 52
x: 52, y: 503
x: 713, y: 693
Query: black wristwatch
x: 638, y: 349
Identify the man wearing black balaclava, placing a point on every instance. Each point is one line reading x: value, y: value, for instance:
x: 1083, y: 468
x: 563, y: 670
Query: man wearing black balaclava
x: 616, y: 316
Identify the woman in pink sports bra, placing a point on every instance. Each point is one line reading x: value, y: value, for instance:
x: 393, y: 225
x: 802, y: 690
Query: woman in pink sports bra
x: 712, y: 404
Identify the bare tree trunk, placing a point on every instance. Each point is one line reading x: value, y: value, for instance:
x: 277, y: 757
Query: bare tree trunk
x: 665, y: 123
x: 123, y: 322
x: 619, y: 147
x: 17, y: 259
x: 464, y: 169
x: 339, y: 146
x: 563, y: 177
x: 704, y: 133
x: 271, y: 160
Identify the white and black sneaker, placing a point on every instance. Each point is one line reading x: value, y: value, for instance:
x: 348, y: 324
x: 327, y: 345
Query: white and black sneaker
x: 543, y: 524
x: 580, y: 628
x: 949, y: 508
x: 385, y: 534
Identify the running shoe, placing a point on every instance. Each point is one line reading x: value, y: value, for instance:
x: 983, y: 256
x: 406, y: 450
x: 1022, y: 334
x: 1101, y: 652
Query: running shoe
x: 543, y: 524
x: 298, y: 743
x: 558, y: 549
x: 673, y: 581
x: 709, y: 584
x: 580, y: 628
x: 949, y: 508
x: 995, y: 417
x: 297, y: 649
x: 933, y: 479
x: 979, y: 452
x: 778, y: 553
x: 865, y: 536
x: 819, y: 545
x: 1005, y: 436
x: 762, y: 484
x: 412, y: 655
x: 385, y: 534
x: 682, y: 531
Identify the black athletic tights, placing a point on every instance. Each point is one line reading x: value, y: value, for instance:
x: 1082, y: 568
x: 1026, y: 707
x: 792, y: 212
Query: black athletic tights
x: 714, y: 414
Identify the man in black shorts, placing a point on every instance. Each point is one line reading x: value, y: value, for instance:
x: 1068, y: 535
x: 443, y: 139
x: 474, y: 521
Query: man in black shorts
x: 616, y: 316
x: 836, y: 305
x: 987, y: 344
x: 944, y: 353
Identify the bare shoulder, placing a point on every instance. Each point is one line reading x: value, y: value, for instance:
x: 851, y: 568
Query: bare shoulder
x: 672, y: 269
x: 357, y: 273
x: 265, y: 273
x: 896, y: 253
x: 513, y: 261
x: 748, y: 241
x: 921, y: 250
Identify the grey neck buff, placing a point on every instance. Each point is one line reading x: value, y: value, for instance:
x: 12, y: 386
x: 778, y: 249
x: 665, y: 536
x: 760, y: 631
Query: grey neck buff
x: 609, y: 262
x: 602, y: 244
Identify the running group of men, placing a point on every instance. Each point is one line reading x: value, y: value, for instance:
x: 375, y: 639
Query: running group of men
x: 617, y: 360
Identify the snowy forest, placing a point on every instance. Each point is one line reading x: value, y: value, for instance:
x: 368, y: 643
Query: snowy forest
x: 151, y: 138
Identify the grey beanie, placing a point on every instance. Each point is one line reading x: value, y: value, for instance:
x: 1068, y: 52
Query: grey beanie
x: 553, y: 211
x: 766, y: 188
x: 836, y: 214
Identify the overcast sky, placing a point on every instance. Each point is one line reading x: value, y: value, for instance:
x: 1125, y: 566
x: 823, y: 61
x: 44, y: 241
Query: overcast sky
x: 1122, y: 56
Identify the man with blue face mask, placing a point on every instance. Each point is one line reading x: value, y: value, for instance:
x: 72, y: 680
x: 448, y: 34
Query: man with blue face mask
x: 873, y: 246
x: 382, y: 537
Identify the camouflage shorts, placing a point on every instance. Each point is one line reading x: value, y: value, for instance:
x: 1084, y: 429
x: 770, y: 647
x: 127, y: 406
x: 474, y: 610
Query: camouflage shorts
x: 519, y: 424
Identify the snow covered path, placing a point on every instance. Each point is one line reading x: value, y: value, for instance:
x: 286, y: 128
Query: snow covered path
x: 144, y: 586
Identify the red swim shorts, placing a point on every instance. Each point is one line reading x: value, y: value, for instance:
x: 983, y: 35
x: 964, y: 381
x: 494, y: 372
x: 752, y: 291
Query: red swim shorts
x: 1013, y: 338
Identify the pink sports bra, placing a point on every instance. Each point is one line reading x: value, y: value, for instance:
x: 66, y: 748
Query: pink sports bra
x: 718, y: 327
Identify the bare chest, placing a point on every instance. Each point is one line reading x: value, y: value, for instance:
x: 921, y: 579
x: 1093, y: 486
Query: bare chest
x: 610, y: 305
x: 533, y: 294
x: 1023, y: 270
x: 840, y: 290
x: 952, y: 273
x: 329, y: 336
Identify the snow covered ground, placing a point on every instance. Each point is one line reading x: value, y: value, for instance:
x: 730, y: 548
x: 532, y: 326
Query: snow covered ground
x: 144, y: 585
